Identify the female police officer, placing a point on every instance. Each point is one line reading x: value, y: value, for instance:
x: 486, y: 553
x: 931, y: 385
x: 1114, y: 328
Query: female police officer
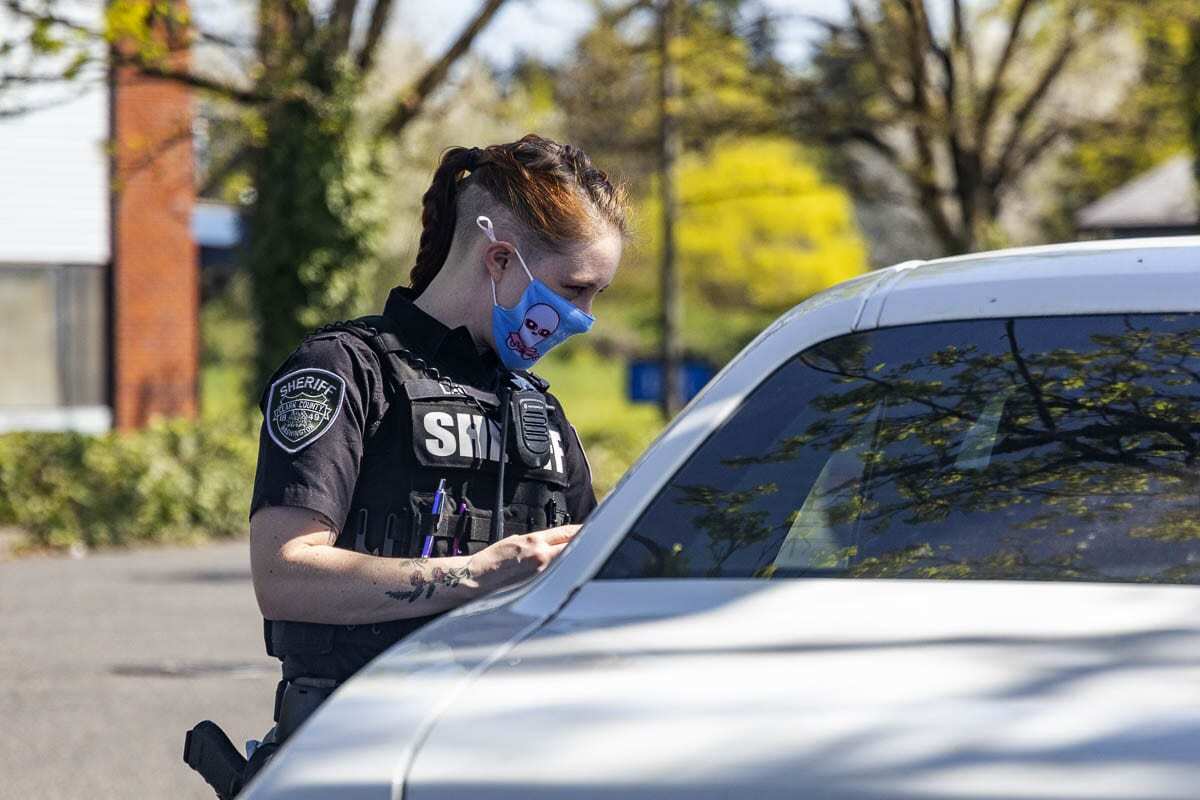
x: 384, y: 439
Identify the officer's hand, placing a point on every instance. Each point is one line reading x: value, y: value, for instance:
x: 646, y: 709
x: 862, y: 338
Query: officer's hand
x: 519, y: 556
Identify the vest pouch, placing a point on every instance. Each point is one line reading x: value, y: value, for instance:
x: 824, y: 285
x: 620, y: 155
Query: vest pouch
x: 457, y: 532
x: 425, y: 524
x: 454, y: 435
x: 468, y: 531
x: 379, y: 534
x: 473, y: 528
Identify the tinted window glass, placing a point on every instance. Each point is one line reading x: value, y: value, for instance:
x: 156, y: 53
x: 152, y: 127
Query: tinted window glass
x: 1030, y: 449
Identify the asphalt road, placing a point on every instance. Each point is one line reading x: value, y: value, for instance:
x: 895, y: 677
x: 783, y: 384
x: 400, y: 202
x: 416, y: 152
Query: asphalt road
x: 106, y: 660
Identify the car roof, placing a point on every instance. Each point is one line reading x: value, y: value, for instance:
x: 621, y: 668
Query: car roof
x: 1119, y: 276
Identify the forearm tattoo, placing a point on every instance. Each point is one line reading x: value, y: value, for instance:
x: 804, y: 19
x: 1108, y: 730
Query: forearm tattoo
x: 428, y: 584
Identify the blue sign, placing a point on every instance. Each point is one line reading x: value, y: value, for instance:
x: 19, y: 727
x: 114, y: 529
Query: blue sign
x: 646, y: 379
x: 216, y: 225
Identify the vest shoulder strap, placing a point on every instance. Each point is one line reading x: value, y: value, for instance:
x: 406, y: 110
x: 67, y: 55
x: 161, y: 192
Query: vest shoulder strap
x: 539, y: 383
x: 400, y: 366
x: 380, y: 334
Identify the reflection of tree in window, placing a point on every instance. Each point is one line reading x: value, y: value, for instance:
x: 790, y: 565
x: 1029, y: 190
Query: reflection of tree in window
x: 1037, y: 449
x: 817, y: 537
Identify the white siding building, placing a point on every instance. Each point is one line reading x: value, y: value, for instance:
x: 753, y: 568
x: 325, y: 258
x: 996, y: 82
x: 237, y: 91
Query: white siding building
x: 98, y: 277
x: 54, y: 253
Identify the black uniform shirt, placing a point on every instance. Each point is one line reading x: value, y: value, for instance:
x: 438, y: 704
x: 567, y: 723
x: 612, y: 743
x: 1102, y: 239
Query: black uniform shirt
x: 327, y: 398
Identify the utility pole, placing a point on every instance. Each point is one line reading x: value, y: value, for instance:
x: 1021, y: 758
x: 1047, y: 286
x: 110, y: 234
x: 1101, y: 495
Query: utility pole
x: 668, y: 152
x: 1190, y: 82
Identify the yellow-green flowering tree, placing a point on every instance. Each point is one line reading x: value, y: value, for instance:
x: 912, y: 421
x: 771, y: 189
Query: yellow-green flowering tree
x: 760, y: 229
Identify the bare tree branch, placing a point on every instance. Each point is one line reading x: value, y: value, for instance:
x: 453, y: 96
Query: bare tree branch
x: 187, y: 78
x: 409, y: 104
x: 963, y: 160
x: 866, y: 137
x: 923, y: 176
x: 30, y: 79
x: 961, y: 42
x: 867, y: 42
x: 302, y: 21
x: 923, y: 39
x: 380, y: 15
x: 222, y: 41
x: 929, y: 195
x: 29, y: 108
x: 216, y: 176
x: 153, y: 70
x: 615, y: 16
x: 15, y: 7
x: 988, y: 108
x: 957, y: 133
x: 1025, y: 111
x: 919, y: 39
x: 1027, y: 156
x: 341, y: 24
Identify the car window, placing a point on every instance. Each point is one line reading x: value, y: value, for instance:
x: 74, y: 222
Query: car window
x: 1029, y: 449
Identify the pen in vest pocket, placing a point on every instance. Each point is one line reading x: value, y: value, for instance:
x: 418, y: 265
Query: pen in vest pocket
x: 439, y: 499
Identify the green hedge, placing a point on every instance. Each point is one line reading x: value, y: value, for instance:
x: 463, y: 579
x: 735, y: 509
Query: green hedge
x: 176, y: 480
x: 182, y: 480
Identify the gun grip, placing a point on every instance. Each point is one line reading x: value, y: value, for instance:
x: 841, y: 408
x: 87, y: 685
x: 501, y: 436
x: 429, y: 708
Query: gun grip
x: 208, y: 750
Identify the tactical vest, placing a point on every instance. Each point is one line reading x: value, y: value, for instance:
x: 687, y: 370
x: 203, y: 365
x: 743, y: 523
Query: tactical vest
x: 431, y: 429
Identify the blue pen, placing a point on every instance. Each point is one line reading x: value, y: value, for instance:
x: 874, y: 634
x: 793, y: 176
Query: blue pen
x: 438, y: 497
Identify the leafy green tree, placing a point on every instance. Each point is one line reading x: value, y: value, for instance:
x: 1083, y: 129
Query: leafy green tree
x: 759, y: 230
x: 756, y: 229
x: 312, y: 233
x: 608, y: 91
x: 953, y: 123
x: 1157, y: 114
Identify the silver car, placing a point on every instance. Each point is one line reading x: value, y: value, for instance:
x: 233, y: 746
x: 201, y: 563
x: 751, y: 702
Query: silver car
x: 933, y: 534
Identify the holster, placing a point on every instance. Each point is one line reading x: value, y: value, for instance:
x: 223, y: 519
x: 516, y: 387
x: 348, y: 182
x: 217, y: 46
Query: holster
x: 207, y: 748
x: 296, y: 700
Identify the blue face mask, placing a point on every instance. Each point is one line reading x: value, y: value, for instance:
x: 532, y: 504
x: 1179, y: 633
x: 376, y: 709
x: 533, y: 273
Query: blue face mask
x: 540, y: 320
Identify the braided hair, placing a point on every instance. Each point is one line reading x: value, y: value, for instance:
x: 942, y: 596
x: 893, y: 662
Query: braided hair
x: 552, y: 188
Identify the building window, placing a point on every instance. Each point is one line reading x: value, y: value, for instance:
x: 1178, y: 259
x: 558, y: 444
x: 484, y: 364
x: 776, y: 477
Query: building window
x: 53, y: 347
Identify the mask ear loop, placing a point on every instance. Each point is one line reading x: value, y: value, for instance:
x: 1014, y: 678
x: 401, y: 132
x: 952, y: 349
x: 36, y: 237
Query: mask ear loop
x: 485, y: 224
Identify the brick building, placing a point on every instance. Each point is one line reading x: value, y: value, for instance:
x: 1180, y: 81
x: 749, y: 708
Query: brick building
x: 99, y: 284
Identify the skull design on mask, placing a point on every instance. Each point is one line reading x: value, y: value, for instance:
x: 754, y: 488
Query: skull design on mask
x: 540, y: 321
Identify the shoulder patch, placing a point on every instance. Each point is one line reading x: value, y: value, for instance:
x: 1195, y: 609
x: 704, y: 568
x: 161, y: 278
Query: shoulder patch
x: 302, y: 406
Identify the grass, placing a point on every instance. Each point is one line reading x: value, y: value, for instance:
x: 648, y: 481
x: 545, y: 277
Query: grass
x: 227, y: 354
x: 592, y: 390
